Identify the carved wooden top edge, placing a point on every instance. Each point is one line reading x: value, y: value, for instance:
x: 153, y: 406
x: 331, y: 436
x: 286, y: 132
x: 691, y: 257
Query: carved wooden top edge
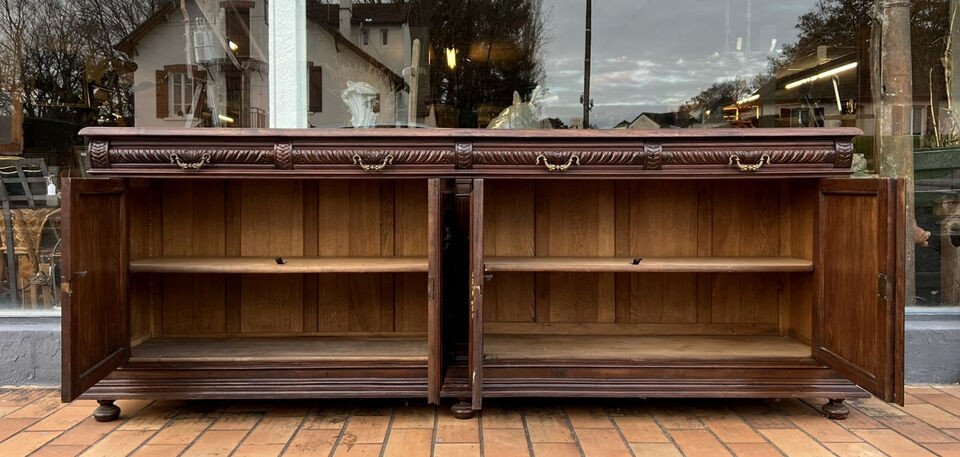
x: 464, y: 154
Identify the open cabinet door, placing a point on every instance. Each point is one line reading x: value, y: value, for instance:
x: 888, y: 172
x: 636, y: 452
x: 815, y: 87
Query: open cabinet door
x: 858, y: 314
x: 96, y: 328
x: 476, y: 294
x: 435, y: 223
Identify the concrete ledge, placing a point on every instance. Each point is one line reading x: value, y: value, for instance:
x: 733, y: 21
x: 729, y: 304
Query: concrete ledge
x: 932, y: 345
x: 30, y: 349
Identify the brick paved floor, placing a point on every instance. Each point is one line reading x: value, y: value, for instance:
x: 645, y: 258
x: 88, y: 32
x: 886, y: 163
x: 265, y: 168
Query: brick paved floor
x: 34, y: 422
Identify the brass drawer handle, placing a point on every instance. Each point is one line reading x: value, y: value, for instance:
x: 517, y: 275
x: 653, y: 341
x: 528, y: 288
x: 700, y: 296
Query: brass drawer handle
x: 734, y: 159
x: 204, y: 159
x: 574, y: 160
x: 388, y: 160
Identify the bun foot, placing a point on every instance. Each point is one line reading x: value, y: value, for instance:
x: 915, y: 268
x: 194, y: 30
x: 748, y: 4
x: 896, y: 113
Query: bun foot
x: 106, y: 412
x: 462, y: 410
x: 836, y: 410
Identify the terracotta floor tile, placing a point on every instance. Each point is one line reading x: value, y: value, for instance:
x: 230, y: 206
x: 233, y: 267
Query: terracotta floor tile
x: 24, y: 443
x: 416, y: 417
x: 359, y: 450
x: 602, y: 442
x: 655, y: 450
x: 366, y: 429
x: 453, y: 430
x: 912, y: 399
x: 548, y: 429
x: 641, y: 429
x: 120, y: 442
x: 892, y: 443
x: 409, y: 442
x: 273, y: 430
x: 677, y: 420
x: 855, y: 450
x: 22, y: 397
x: 58, y: 451
x: 86, y: 433
x: 290, y: 409
x: 944, y: 401
x: 824, y: 430
x: 770, y: 420
x: 588, y: 417
x: 731, y: 429
x: 555, y: 450
x: 236, y: 421
x: 457, y: 450
x: 9, y: 427
x: 62, y: 419
x: 506, y: 442
x: 159, y: 450
x: 754, y: 450
x: 501, y: 418
x: 153, y: 417
x: 128, y: 408
x: 215, y: 443
x: 37, y: 409
x: 945, y: 450
x: 181, y: 431
x: 310, y: 443
x: 858, y: 420
x: 916, y: 429
x: 933, y: 416
x: 325, y: 422
x: 698, y: 443
x: 258, y: 450
x: 874, y: 407
x: 795, y: 443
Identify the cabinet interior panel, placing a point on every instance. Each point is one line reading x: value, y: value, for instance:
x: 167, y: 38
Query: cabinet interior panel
x: 293, y: 349
x: 354, y: 252
x: 643, y: 348
x: 715, y: 253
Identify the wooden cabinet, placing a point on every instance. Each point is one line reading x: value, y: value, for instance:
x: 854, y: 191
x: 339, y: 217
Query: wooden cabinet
x: 464, y: 264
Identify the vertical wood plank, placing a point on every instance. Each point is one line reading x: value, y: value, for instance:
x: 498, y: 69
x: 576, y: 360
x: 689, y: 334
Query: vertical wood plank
x: 746, y: 223
x: 193, y: 225
x: 508, y: 230
x: 145, y: 241
x: 271, y: 224
x: 311, y: 240
x: 233, y: 241
x: 577, y: 217
x: 409, y: 231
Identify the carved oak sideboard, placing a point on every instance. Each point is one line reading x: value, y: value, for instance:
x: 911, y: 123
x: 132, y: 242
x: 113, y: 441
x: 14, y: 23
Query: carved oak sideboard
x: 468, y: 264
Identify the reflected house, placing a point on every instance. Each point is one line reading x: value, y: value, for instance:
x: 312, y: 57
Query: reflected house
x: 653, y: 121
x: 821, y: 90
x: 220, y: 78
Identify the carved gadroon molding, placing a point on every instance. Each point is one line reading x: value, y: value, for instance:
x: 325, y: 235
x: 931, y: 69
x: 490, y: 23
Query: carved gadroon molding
x: 98, y: 154
x: 344, y: 156
x: 652, y: 156
x: 237, y: 155
x: 721, y: 156
x: 283, y: 156
x: 464, y: 155
x: 844, y: 154
x: 519, y: 157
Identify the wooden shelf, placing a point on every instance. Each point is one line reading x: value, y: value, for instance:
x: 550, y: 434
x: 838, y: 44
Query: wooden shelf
x: 649, y: 264
x: 269, y: 265
x: 642, y: 348
x: 288, y: 349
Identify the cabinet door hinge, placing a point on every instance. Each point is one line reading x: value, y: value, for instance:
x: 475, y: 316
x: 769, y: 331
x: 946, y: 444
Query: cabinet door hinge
x: 884, y: 287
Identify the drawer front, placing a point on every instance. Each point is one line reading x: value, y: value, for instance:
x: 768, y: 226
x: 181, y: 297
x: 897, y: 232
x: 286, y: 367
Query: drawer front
x: 191, y: 158
x: 822, y: 157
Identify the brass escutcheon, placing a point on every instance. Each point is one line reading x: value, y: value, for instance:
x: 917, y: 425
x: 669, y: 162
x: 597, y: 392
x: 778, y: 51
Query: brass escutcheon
x: 735, y: 159
x: 388, y: 160
x: 574, y: 160
x: 204, y: 159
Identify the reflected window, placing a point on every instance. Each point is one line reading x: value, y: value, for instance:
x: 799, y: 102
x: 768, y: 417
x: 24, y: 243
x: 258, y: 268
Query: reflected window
x: 181, y: 94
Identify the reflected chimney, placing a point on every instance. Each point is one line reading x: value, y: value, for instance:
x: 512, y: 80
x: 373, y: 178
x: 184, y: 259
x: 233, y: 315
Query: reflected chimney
x: 346, y: 14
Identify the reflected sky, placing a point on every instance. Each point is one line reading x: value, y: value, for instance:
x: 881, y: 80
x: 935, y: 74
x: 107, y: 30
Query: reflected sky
x: 653, y: 55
